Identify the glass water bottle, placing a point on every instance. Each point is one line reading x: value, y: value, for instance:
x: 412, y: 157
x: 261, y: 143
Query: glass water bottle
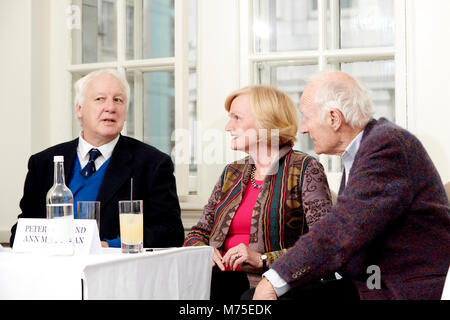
x: 60, y: 213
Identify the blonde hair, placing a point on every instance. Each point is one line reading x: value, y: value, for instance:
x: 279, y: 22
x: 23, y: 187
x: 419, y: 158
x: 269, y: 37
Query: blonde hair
x: 272, y: 109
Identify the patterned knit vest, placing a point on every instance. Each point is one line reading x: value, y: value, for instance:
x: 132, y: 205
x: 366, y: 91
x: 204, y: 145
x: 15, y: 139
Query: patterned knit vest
x: 282, y: 223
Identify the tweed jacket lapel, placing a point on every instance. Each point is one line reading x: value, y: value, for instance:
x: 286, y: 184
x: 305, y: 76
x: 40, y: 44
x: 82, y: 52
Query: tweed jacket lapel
x: 367, y: 130
x: 119, y: 171
x: 69, y: 151
x: 358, y: 156
x: 342, y: 186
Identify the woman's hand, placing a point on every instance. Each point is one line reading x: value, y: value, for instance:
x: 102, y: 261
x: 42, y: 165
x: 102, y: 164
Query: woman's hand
x: 217, y: 260
x: 240, y: 254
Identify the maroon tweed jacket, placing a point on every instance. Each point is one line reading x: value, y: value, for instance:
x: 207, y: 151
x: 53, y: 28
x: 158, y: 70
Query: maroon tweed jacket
x: 393, y: 213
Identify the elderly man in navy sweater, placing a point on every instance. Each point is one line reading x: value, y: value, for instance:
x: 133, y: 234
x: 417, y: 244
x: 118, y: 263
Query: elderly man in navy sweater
x: 388, y: 236
x: 100, y: 163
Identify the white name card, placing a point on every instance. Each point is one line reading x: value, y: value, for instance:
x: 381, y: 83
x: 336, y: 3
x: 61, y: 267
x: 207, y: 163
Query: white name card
x: 85, y: 236
x: 32, y: 236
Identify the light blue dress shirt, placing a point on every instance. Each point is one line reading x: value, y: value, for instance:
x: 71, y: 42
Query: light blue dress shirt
x: 350, y: 153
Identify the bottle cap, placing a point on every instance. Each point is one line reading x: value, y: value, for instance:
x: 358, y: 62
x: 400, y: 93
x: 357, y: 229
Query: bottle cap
x: 58, y: 159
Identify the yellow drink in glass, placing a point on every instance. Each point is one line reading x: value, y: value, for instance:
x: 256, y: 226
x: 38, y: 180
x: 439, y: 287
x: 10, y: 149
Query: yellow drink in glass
x: 131, y: 226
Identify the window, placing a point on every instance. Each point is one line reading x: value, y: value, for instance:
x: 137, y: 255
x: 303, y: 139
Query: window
x: 344, y: 4
x: 291, y: 40
x: 154, y: 43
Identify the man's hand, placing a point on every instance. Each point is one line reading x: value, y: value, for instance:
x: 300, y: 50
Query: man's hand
x: 265, y: 291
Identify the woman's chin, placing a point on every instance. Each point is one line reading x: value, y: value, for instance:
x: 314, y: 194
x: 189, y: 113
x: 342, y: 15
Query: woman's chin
x: 236, y: 147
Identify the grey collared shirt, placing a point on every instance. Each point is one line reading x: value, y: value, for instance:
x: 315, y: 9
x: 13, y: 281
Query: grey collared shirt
x: 350, y: 153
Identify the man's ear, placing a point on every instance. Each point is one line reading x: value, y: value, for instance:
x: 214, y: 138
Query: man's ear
x: 336, y: 119
x: 78, y: 111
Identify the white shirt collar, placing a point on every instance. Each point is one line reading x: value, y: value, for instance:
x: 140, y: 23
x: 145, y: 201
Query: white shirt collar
x: 84, y: 147
x: 348, y: 157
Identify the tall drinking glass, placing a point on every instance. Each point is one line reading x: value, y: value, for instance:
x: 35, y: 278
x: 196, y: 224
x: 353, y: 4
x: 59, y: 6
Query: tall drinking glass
x: 89, y: 210
x: 131, y: 225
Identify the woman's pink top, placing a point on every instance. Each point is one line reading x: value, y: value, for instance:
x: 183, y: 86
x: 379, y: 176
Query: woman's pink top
x: 239, y: 231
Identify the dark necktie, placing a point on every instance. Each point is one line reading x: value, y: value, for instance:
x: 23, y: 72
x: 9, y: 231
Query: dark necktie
x: 89, y: 169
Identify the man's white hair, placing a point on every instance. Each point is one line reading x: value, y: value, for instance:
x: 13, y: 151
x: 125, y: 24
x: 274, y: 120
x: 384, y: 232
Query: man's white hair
x: 81, y: 84
x: 349, y: 97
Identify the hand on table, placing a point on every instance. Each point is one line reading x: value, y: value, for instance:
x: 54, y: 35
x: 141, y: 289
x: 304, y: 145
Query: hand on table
x: 105, y: 244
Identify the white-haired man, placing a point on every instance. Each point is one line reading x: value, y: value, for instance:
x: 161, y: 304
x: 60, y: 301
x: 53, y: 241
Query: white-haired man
x: 388, y: 234
x: 100, y: 163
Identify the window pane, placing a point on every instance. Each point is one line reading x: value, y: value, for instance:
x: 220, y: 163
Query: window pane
x: 368, y: 23
x: 150, y: 29
x: 293, y: 81
x: 96, y: 41
x: 130, y: 112
x: 286, y: 25
x: 129, y: 50
x: 159, y: 109
x: 379, y: 77
x: 192, y: 31
x: 193, y: 122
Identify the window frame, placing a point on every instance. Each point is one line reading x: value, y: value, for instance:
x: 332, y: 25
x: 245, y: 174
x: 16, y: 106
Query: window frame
x: 179, y: 64
x: 324, y: 56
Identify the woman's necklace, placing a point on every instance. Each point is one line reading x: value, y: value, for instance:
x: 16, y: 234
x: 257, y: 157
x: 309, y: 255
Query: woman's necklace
x: 252, y: 178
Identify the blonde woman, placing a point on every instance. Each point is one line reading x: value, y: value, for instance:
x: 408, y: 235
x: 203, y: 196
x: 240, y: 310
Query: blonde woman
x: 263, y: 203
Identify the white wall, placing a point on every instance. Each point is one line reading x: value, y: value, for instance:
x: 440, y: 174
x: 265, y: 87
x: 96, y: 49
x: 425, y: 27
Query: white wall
x: 428, y: 53
x: 218, y: 76
x: 36, y: 112
x: 15, y: 106
x: 33, y: 104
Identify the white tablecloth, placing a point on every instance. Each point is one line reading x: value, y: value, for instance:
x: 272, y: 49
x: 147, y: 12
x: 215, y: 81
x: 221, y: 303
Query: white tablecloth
x: 178, y: 273
x: 446, y: 291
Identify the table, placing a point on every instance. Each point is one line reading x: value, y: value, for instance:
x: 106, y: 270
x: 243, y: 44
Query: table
x: 176, y: 273
x: 446, y: 290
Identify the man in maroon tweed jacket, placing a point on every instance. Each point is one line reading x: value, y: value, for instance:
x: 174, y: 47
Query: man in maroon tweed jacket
x: 388, y: 234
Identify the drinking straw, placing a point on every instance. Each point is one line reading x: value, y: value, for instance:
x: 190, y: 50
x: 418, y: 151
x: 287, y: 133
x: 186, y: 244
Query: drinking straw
x: 131, y: 195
